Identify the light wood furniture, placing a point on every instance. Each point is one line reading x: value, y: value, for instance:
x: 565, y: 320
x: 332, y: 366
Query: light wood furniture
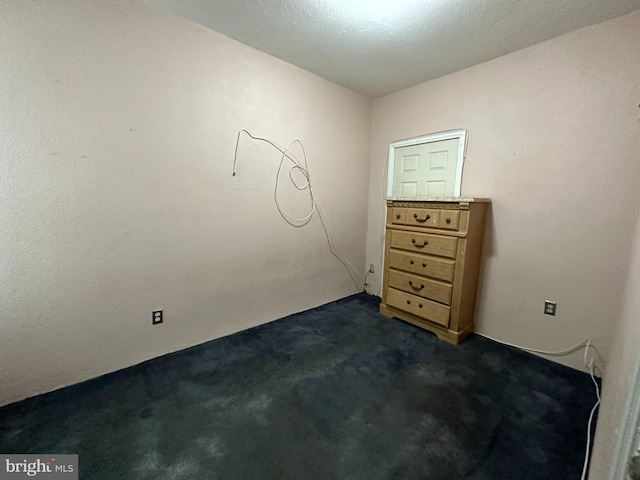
x: 431, y: 263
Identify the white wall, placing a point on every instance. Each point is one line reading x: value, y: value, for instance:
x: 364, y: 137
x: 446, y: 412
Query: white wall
x: 118, y: 124
x: 554, y: 136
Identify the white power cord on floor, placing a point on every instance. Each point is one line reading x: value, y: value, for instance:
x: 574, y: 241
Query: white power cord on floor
x: 303, y: 168
x: 586, y: 344
x: 593, y: 411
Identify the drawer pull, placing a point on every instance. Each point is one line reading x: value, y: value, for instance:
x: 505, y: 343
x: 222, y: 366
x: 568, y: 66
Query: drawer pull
x: 448, y: 220
x: 416, y: 288
x: 424, y: 265
x: 411, y: 262
x: 424, y: 243
x: 397, y: 216
x: 419, y: 305
x: 415, y: 215
x: 408, y: 302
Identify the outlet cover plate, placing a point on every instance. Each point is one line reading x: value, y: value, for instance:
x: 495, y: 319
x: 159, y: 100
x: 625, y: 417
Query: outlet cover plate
x: 549, y: 307
x: 156, y: 317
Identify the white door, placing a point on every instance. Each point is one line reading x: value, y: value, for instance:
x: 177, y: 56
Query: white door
x: 426, y: 170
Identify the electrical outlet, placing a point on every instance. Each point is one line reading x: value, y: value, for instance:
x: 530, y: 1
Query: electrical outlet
x: 371, y: 268
x: 156, y: 317
x: 549, y: 307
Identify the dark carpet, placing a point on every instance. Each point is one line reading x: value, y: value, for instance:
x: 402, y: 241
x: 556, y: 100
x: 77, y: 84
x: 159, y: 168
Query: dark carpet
x: 337, y: 392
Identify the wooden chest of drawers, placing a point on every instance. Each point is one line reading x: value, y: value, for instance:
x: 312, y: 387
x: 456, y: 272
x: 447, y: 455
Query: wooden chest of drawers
x: 431, y: 264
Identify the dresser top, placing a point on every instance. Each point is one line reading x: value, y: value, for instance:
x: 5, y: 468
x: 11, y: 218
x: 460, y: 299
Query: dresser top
x: 438, y: 199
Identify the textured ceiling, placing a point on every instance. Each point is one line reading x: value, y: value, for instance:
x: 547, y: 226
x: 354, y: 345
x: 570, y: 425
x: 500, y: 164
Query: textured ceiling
x: 376, y: 47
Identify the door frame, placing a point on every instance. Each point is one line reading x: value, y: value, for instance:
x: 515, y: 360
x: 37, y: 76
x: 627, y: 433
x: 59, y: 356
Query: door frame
x: 629, y: 439
x: 460, y: 134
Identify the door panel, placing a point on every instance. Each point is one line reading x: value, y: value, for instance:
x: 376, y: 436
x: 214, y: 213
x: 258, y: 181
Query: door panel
x: 409, y: 189
x: 436, y: 188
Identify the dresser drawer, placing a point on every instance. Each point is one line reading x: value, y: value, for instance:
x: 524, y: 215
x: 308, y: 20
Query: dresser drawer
x: 434, y: 267
x: 449, y: 219
x: 419, y: 306
x: 398, y: 216
x: 421, y: 286
x: 423, y: 242
x: 422, y: 217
